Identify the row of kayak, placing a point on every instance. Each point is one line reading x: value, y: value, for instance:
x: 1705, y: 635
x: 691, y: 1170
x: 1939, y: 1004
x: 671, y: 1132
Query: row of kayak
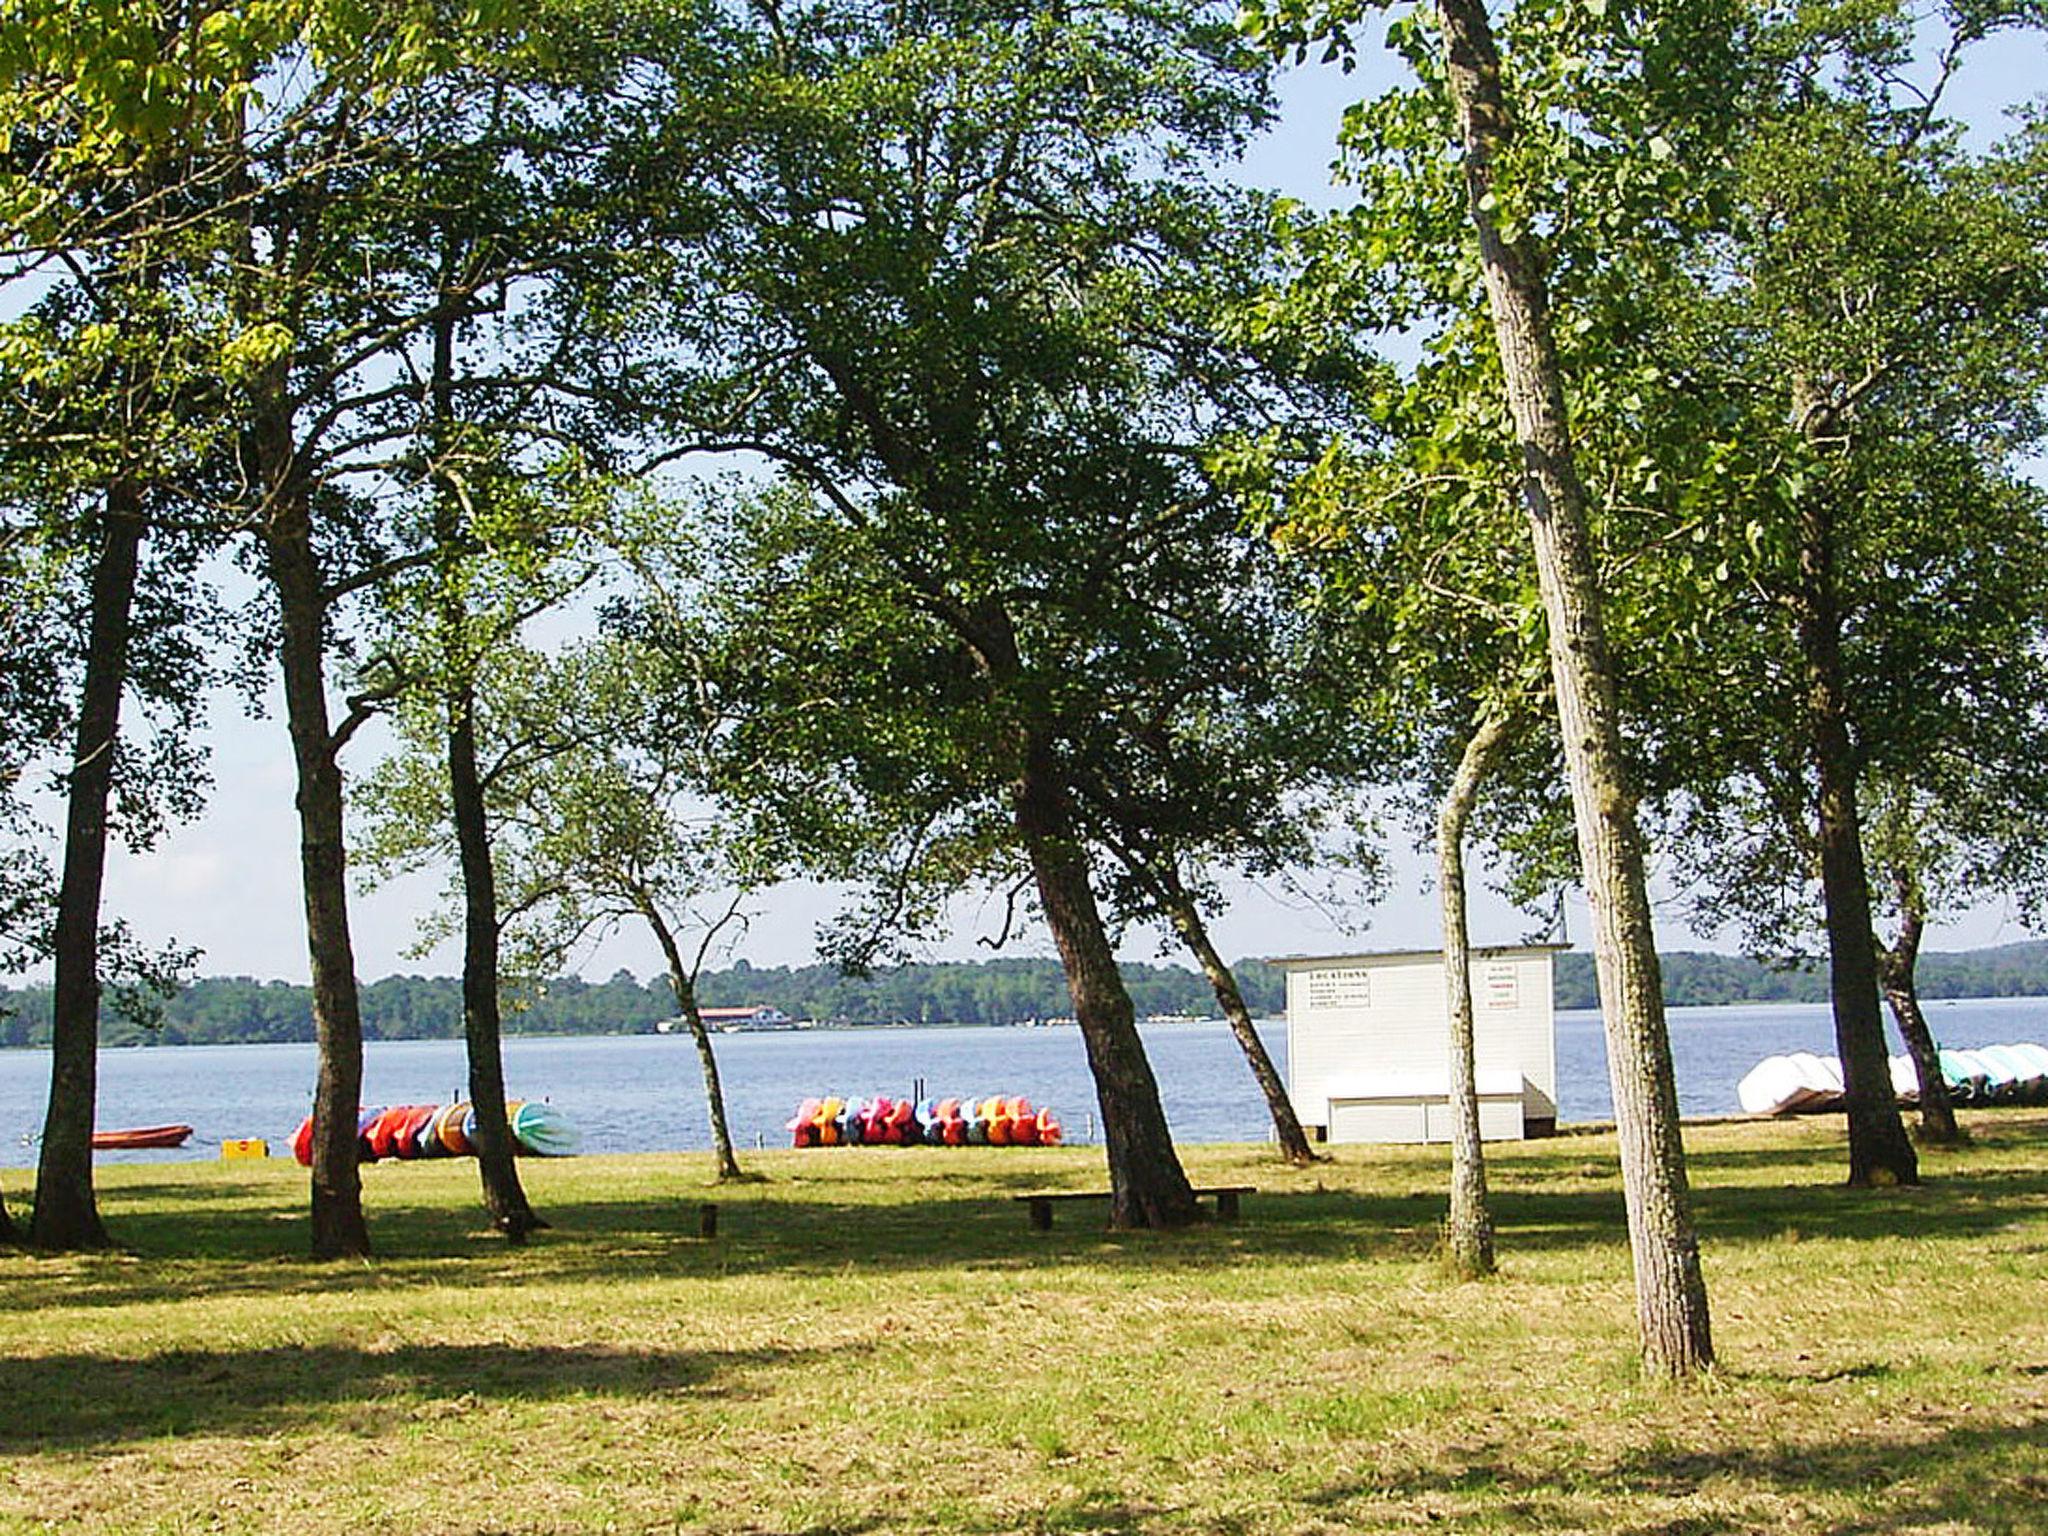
x: 998, y: 1121
x: 409, y: 1131
x: 1803, y: 1083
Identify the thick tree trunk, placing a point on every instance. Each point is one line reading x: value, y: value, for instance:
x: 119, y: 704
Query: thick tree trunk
x: 682, y: 981
x: 504, y: 1196
x: 1468, y: 1230
x: 66, y: 1214
x: 338, y: 1226
x: 7, y: 1232
x: 1880, y: 1151
x: 1671, y: 1294
x: 1148, y: 1187
x: 1896, y: 968
x: 1187, y: 922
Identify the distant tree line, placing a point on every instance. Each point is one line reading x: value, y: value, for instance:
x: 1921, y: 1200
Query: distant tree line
x: 239, y: 1010
x: 1694, y: 980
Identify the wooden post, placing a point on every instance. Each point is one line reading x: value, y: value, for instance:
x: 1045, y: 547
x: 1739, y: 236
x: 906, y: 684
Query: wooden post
x: 707, y: 1220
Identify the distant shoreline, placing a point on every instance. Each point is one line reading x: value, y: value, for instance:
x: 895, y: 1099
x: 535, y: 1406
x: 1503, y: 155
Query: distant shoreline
x: 152, y: 1042
x: 994, y: 993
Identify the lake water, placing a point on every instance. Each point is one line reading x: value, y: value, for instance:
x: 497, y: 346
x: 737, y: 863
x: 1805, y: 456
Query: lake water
x: 642, y: 1093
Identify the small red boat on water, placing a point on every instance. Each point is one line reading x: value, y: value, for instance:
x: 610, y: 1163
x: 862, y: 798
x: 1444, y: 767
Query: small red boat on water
x: 140, y: 1137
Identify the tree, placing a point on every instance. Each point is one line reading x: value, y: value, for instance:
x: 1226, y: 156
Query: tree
x: 1869, y: 331
x: 1465, y: 97
x: 108, y: 400
x: 617, y: 828
x: 955, y: 288
x: 1468, y: 1230
x: 334, y: 388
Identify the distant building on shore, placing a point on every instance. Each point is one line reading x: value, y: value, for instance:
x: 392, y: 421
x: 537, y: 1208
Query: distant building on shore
x: 1368, y: 1044
x: 756, y: 1016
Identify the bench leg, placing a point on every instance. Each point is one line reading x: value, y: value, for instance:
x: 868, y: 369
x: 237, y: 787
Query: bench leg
x: 1041, y: 1215
x: 707, y: 1221
x: 1226, y: 1205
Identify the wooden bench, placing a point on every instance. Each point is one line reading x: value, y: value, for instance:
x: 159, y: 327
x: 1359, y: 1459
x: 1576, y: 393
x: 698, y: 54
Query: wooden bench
x: 1041, y: 1201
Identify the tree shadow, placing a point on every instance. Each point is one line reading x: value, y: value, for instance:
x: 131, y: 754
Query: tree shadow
x: 1951, y: 1480
x: 81, y: 1401
x: 246, y: 1237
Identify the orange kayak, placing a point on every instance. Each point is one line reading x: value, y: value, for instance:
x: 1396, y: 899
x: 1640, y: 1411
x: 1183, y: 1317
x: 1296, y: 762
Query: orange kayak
x: 141, y: 1136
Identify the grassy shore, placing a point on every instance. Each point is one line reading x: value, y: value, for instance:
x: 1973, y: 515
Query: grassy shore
x: 875, y: 1341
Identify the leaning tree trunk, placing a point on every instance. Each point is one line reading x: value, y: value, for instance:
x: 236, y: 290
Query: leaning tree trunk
x: 1896, y: 968
x: 1187, y: 922
x: 682, y: 981
x: 1468, y: 1231
x: 66, y: 1213
x: 1147, y: 1185
x: 1671, y: 1293
x: 482, y: 1024
x: 337, y: 1205
x: 504, y: 1196
x: 1880, y: 1151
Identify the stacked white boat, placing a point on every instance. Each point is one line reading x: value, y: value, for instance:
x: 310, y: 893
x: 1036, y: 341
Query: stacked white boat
x: 1803, y: 1083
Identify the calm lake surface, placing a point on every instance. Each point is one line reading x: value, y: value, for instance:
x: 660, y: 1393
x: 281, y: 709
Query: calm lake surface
x: 642, y: 1093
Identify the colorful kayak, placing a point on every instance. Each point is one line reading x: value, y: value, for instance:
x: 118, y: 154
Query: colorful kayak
x: 880, y: 1121
x: 409, y: 1131
x: 140, y: 1138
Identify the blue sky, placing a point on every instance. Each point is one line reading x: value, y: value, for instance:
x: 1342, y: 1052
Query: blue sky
x: 229, y: 881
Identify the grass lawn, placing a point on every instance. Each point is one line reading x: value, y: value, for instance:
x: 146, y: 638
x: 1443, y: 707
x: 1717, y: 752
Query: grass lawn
x: 876, y: 1341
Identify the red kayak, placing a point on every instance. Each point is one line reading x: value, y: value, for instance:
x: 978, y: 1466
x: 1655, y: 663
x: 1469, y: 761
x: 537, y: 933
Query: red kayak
x: 141, y: 1136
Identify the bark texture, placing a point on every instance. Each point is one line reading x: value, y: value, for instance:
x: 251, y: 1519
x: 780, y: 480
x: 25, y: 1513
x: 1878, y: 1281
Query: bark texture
x: 337, y: 1200
x: 1468, y: 1230
x: 482, y: 1024
x: 7, y: 1232
x: 1671, y: 1295
x: 682, y: 981
x: 66, y: 1212
x: 1291, y: 1139
x: 1148, y: 1187
x: 1880, y: 1151
x: 1896, y: 968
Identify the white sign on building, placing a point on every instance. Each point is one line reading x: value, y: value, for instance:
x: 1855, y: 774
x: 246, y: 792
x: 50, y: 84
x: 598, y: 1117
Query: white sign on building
x: 1368, y: 1044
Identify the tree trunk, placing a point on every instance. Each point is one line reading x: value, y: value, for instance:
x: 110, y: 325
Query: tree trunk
x: 1880, y: 1151
x: 66, y: 1214
x: 7, y: 1232
x: 1148, y: 1187
x: 338, y: 1227
x: 1896, y: 968
x: 1671, y: 1294
x: 482, y: 1024
x: 1468, y: 1231
x: 683, y: 982
x: 504, y: 1196
x: 1187, y: 922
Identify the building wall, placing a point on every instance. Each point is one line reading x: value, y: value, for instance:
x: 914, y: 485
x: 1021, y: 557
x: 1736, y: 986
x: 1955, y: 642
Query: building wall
x: 1370, y: 1033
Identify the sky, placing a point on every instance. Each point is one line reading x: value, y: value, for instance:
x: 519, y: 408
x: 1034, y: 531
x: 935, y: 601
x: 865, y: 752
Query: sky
x: 228, y: 882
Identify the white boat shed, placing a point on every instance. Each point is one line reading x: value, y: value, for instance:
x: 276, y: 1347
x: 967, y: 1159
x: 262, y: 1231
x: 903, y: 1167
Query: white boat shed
x: 1368, y: 1044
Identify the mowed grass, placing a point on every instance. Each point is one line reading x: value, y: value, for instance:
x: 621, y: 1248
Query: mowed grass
x: 876, y: 1342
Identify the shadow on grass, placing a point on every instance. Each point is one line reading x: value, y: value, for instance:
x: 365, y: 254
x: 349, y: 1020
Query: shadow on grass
x: 1971, y: 1477
x: 228, y: 1238
x: 232, y: 1233
x: 82, y: 1401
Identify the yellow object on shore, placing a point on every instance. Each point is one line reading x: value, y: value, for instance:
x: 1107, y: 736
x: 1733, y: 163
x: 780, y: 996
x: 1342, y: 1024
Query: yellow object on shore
x: 246, y: 1146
